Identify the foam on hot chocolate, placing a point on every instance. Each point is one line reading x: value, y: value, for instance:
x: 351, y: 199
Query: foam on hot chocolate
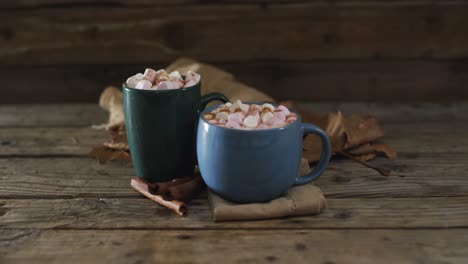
x: 250, y: 116
x: 161, y: 80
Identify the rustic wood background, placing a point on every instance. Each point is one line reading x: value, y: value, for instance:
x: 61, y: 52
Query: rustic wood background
x: 67, y: 50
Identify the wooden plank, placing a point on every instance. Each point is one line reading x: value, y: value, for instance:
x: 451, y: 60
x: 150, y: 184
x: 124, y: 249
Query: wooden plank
x: 64, y: 178
x: 78, y: 115
x: 242, y: 246
x: 132, y: 3
x: 413, y: 175
x: 130, y: 213
x: 83, y: 115
x: 337, y: 80
x: 405, y: 138
x: 50, y: 141
x: 363, y: 80
x: 295, y: 32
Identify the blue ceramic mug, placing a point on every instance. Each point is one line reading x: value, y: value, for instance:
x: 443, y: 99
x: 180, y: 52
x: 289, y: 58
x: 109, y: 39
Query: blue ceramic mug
x: 248, y: 166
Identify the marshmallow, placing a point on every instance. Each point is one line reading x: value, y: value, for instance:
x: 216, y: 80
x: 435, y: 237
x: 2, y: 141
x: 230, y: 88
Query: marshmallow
x: 237, y: 117
x: 244, y: 108
x: 214, y: 121
x: 167, y: 85
x: 162, y: 76
x: 209, y: 116
x: 239, y: 106
x: 177, y: 78
x: 284, y: 109
x: 222, y: 116
x: 231, y: 124
x: 161, y: 80
x: 268, y: 106
x: 221, y: 108
x: 276, y: 122
x: 251, y: 121
x: 180, y: 83
x: 222, y: 122
x: 189, y: 83
x: 255, y: 107
x: 132, y: 81
x: 235, y: 106
x: 175, y: 75
x: 291, y: 118
x: 144, y: 84
x: 280, y: 114
x: 139, y: 76
x: 192, y: 76
x: 266, y: 116
x: 253, y: 111
x: 150, y: 75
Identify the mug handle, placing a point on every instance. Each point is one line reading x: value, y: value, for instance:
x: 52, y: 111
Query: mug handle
x: 205, y: 99
x: 324, y: 158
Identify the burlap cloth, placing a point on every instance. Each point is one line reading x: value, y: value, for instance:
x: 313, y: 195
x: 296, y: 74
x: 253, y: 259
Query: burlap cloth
x: 299, y: 200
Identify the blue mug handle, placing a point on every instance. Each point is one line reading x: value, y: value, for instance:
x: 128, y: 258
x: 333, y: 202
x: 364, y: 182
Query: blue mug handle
x: 324, y: 158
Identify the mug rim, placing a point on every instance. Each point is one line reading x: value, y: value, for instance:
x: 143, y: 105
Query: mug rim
x: 299, y: 118
x: 124, y: 86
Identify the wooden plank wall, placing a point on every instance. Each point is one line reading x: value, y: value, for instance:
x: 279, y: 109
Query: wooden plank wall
x: 343, y: 50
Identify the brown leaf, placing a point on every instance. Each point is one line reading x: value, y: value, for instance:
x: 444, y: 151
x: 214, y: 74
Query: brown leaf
x: 385, y: 149
x: 335, y: 130
x: 365, y: 157
x: 118, y: 141
x: 354, y: 134
x: 104, y: 154
x: 360, y: 130
x: 333, y: 126
x: 376, y: 147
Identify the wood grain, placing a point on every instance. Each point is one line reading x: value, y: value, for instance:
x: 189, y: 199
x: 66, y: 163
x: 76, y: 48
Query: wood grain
x: 50, y: 115
x: 361, y: 80
x: 136, y: 213
x: 235, y: 33
x: 67, y: 141
x: 124, y: 3
x: 413, y: 175
x: 240, y: 246
x: 84, y: 115
x: 336, y: 80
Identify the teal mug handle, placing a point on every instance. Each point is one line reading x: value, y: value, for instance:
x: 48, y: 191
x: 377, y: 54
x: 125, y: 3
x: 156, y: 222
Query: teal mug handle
x: 205, y: 99
x: 324, y: 158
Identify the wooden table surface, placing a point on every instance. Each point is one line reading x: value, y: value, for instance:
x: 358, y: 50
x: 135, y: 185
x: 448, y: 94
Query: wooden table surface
x: 59, y: 206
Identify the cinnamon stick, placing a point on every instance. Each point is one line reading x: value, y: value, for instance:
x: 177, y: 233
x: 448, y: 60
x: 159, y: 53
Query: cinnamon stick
x: 186, y: 191
x: 160, y: 188
x: 143, y: 187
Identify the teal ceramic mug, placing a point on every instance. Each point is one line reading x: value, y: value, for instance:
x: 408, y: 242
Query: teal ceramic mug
x: 161, y: 130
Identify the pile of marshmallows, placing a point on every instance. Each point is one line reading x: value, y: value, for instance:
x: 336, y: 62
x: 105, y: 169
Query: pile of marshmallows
x: 250, y: 116
x: 161, y: 80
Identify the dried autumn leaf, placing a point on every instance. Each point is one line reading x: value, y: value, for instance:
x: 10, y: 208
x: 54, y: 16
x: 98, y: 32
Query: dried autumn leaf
x: 386, y: 149
x: 365, y: 157
x: 376, y: 147
x: 111, y: 101
x: 333, y: 126
x: 360, y: 130
x: 104, y: 154
x: 118, y: 141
